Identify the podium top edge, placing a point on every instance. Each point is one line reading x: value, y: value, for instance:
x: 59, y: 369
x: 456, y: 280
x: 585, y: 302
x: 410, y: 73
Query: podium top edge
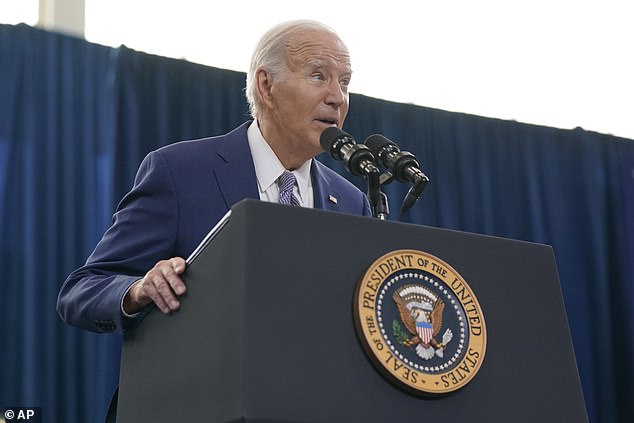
x: 251, y: 203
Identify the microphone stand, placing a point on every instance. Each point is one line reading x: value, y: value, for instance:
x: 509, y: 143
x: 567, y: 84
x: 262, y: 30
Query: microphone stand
x: 378, y: 199
x: 414, y: 193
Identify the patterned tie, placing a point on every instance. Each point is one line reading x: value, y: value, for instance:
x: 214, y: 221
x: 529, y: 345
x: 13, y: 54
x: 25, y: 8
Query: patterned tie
x: 287, y: 182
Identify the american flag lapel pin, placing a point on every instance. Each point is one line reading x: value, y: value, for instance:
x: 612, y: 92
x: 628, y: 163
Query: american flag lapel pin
x: 332, y: 199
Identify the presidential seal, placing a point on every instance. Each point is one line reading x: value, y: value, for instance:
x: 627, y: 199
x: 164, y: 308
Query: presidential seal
x: 420, y: 323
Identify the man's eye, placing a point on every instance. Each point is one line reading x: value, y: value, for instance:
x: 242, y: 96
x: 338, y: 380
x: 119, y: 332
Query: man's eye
x: 319, y: 76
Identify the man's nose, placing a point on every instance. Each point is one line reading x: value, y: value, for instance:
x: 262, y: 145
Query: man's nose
x: 336, y: 96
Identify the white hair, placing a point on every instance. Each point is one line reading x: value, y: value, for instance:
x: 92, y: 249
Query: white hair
x: 269, y: 54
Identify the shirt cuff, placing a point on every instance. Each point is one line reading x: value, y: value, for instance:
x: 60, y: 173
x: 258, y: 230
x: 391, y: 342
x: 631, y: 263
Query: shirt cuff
x: 123, y: 313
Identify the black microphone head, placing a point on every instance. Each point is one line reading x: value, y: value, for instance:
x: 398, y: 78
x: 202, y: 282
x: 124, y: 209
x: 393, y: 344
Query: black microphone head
x: 382, y: 148
x: 333, y: 140
x: 377, y: 143
x: 331, y: 135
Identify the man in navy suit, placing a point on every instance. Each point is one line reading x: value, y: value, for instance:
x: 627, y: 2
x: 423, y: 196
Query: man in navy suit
x: 297, y: 86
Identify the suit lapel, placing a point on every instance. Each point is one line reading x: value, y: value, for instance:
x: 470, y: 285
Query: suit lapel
x: 235, y: 171
x: 326, y: 194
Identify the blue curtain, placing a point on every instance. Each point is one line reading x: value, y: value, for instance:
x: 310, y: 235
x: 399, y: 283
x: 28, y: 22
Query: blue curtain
x: 77, y: 118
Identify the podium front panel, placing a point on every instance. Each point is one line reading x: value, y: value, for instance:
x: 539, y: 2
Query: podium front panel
x: 266, y: 331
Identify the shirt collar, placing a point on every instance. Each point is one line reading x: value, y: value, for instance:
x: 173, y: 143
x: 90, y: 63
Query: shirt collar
x: 268, y: 167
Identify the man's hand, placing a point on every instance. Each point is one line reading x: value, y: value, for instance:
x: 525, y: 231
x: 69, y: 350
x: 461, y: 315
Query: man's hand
x: 160, y: 285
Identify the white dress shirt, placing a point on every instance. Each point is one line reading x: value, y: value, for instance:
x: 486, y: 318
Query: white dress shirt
x: 268, y: 169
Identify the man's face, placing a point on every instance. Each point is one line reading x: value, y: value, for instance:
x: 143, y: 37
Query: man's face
x: 312, y: 95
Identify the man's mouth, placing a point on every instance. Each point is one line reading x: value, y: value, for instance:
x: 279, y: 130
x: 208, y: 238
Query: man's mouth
x: 328, y: 121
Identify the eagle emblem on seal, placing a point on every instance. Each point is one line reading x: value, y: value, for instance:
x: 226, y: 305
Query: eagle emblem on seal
x: 420, y: 312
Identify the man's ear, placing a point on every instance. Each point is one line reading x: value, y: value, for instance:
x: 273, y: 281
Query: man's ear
x: 264, y: 84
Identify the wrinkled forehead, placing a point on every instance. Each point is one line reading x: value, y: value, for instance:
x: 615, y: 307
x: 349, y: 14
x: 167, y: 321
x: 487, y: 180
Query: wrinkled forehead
x: 318, y: 47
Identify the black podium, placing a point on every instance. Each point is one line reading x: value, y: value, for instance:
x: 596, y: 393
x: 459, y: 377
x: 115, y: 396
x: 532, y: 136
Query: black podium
x: 266, y: 332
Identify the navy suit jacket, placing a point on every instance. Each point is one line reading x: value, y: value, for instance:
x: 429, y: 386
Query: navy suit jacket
x: 179, y: 193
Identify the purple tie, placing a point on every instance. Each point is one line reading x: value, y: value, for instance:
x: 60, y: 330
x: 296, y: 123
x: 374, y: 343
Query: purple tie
x: 287, y: 182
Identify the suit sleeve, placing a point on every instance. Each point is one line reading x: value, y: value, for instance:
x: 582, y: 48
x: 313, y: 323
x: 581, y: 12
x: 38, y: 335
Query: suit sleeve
x: 142, y: 233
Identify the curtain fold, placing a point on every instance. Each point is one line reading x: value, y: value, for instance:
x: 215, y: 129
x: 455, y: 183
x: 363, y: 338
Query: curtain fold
x: 77, y: 118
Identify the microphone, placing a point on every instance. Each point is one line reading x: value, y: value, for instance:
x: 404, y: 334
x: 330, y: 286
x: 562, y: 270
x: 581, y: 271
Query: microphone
x: 340, y: 145
x: 402, y: 165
